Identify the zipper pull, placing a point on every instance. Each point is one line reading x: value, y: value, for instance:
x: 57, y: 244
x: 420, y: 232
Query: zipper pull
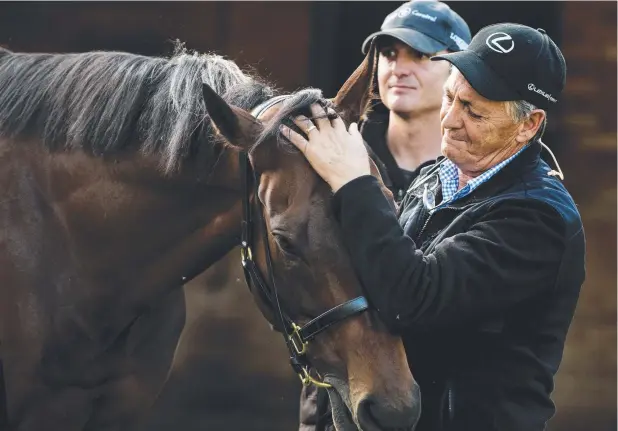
x: 429, y: 199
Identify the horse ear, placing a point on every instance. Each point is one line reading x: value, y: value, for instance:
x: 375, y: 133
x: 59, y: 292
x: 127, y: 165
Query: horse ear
x: 355, y: 95
x: 236, y: 125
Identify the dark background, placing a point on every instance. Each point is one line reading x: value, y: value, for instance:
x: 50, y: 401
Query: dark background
x: 230, y: 371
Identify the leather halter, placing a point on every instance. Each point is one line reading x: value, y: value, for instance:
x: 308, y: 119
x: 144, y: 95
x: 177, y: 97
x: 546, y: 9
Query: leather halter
x: 296, y: 337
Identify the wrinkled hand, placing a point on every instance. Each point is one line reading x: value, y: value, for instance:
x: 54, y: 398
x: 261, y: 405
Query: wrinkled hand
x: 336, y: 154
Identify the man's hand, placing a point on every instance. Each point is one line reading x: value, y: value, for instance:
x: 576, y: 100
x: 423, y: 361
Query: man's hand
x: 336, y: 154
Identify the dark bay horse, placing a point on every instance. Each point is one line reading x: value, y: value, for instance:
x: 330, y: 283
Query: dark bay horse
x: 121, y: 180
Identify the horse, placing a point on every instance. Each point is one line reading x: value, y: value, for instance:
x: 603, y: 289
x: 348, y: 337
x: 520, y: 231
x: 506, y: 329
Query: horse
x: 123, y: 177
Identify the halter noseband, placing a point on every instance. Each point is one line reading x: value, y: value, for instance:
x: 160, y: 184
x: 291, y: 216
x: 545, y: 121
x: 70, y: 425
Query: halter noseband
x: 296, y: 337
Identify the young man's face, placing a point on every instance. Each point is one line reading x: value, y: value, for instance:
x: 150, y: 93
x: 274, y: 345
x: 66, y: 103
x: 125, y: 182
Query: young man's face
x: 408, y: 81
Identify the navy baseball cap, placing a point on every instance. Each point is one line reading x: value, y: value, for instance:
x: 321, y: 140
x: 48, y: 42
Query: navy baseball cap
x: 428, y: 26
x: 508, y: 61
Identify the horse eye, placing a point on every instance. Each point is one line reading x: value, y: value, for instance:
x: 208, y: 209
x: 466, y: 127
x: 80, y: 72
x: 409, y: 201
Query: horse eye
x: 285, y: 244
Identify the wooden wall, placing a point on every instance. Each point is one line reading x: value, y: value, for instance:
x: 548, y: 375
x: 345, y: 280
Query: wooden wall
x: 586, y: 383
x: 272, y: 36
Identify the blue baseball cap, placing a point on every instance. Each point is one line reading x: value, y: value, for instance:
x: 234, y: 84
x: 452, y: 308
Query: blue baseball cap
x: 428, y: 26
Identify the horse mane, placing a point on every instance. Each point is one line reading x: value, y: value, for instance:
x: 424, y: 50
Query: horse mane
x: 105, y: 102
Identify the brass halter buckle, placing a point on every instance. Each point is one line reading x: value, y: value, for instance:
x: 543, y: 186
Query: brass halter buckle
x: 245, y: 254
x: 307, y: 380
x: 299, y: 345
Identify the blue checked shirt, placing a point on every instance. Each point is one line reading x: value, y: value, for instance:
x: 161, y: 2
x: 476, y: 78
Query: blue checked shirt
x: 449, y: 177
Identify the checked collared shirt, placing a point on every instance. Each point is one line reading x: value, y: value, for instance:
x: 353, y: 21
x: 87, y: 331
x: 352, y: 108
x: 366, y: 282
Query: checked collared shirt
x: 449, y: 177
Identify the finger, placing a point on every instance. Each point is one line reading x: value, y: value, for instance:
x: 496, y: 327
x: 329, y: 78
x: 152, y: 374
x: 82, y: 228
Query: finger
x: 305, y: 124
x: 295, y: 138
x: 335, y: 120
x: 319, y: 116
x: 332, y: 114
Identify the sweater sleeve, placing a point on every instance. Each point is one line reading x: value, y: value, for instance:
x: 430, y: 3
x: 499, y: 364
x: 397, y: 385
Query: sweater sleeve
x: 508, y: 255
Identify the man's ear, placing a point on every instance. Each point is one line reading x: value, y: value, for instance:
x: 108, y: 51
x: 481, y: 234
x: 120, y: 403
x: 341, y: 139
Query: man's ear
x: 531, y: 125
x: 355, y: 95
x: 236, y: 125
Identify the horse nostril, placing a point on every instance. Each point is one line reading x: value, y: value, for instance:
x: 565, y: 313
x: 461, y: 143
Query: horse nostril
x: 375, y: 416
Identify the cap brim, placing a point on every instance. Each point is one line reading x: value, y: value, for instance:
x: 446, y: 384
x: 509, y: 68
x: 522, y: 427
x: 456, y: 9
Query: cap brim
x: 410, y: 37
x: 481, y: 77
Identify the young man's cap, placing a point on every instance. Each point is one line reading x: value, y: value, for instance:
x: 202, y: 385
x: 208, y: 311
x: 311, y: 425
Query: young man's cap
x: 428, y: 26
x: 510, y: 61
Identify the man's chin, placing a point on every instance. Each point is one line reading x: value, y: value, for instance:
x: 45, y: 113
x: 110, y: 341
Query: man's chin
x: 402, y: 106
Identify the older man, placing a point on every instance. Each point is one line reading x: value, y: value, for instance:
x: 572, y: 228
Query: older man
x: 481, y: 271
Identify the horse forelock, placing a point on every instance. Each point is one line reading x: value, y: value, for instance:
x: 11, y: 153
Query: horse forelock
x: 104, y: 102
x: 296, y: 104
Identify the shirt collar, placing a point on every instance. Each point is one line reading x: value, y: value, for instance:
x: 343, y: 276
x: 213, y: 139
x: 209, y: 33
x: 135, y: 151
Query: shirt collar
x: 449, y: 178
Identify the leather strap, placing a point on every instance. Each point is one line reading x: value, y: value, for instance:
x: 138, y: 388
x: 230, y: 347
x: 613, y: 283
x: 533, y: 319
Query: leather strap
x: 332, y: 316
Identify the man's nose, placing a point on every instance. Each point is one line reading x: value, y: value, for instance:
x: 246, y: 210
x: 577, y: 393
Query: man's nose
x: 451, y: 117
x: 400, y: 68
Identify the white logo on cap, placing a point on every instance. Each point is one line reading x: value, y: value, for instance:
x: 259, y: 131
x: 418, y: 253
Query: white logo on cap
x: 500, y: 42
x: 459, y: 41
x: 424, y: 15
x: 548, y: 96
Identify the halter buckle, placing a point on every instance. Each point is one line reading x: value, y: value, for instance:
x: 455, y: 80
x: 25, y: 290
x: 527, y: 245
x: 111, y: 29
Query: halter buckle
x: 307, y: 380
x: 245, y: 254
x: 297, y: 341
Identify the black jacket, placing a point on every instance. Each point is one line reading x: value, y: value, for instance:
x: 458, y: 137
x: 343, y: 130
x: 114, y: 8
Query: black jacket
x: 482, y: 291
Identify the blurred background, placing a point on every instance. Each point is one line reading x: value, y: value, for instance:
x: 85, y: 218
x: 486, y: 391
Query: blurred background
x: 230, y: 371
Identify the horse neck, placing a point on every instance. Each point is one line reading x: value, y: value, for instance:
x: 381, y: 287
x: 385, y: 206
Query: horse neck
x: 123, y: 223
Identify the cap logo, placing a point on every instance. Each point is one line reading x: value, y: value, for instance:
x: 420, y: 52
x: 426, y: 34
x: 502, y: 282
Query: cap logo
x: 404, y: 12
x: 500, y: 42
x: 424, y: 15
x: 459, y: 41
x: 548, y: 96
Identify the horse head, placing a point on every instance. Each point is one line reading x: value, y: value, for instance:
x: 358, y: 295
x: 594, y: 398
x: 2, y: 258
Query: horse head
x: 299, y: 271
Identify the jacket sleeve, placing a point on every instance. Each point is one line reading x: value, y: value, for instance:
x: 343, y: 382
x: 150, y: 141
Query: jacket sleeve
x: 508, y: 255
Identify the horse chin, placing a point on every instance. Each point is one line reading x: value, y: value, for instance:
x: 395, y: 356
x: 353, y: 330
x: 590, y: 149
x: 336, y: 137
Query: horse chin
x: 340, y: 405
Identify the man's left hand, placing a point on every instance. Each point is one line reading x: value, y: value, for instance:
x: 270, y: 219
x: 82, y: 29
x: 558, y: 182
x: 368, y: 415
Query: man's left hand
x: 336, y: 154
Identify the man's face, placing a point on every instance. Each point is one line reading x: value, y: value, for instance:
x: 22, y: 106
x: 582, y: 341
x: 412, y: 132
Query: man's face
x: 408, y: 81
x: 477, y: 133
